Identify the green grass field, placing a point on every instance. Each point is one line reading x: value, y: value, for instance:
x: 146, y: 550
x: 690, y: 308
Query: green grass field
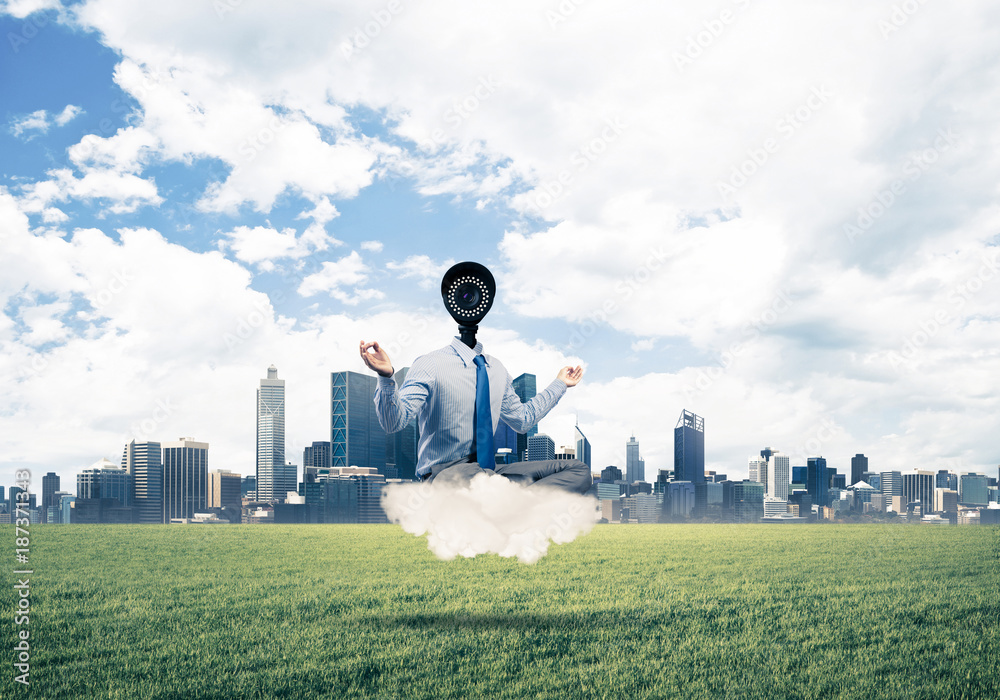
x: 363, y: 611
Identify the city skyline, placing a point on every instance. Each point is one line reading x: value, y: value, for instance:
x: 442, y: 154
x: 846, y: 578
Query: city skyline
x: 270, y: 433
x: 812, y: 259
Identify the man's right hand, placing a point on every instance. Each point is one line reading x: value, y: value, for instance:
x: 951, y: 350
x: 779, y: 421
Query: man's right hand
x: 378, y: 361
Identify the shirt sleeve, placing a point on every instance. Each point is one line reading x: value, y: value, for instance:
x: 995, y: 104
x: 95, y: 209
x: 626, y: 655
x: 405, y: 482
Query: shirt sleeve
x: 522, y: 416
x: 396, y: 407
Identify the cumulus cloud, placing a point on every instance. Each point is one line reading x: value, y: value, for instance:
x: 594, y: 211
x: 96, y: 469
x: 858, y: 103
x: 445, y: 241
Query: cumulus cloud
x: 36, y: 121
x: 120, y: 192
x: 426, y: 271
x: 40, y: 120
x: 69, y: 113
x: 333, y: 276
x: 24, y: 8
x: 489, y: 514
x: 800, y: 228
x: 263, y: 246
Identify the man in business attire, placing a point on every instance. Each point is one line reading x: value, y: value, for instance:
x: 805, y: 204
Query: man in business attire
x: 458, y: 394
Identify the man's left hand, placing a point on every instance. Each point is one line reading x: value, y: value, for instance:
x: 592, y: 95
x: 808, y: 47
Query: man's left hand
x: 571, y: 376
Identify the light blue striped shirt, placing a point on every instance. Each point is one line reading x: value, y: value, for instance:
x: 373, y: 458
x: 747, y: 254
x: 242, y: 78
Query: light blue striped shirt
x: 440, y: 389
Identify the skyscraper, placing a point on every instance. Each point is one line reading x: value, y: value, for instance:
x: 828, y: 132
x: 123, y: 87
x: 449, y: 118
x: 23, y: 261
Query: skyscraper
x: 50, y: 484
x: 611, y: 474
x: 541, y: 447
x: 582, y: 446
x: 185, y: 478
x: 757, y: 469
x: 918, y: 487
x: 506, y: 439
x: 353, y: 495
x: 314, y: 458
x: 744, y: 500
x: 973, y: 490
x: 678, y: 501
x: 524, y: 387
x: 224, y: 489
x: 817, y: 480
x: 104, y: 480
x: 799, y: 476
x: 270, y: 435
x: 356, y: 437
x: 633, y: 470
x: 689, y: 448
x: 778, y: 476
x: 859, y: 465
x: 891, y: 484
x: 946, y: 480
x: 285, y: 480
x: 143, y: 460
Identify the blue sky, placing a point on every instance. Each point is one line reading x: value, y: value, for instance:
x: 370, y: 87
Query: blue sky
x: 796, y: 238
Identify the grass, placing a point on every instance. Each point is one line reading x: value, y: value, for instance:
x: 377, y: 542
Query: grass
x: 366, y: 611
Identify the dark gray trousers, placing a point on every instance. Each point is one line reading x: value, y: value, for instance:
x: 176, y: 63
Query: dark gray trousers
x: 568, y: 474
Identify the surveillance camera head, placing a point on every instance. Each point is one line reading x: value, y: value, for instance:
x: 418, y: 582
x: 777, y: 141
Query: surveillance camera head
x: 468, y: 290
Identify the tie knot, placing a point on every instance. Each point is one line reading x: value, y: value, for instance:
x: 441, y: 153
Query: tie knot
x: 480, y: 361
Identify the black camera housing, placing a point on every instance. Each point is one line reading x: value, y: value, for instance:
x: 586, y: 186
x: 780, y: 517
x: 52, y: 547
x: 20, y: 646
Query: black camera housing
x: 468, y: 290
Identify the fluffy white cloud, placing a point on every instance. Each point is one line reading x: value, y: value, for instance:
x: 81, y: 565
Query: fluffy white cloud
x: 426, y: 271
x: 800, y: 209
x: 69, y: 113
x: 36, y: 121
x: 127, y: 151
x: 122, y: 192
x: 333, y: 276
x: 262, y: 246
x: 40, y: 120
x: 23, y: 8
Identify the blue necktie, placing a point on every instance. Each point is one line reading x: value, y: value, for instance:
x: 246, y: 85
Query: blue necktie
x: 483, y: 417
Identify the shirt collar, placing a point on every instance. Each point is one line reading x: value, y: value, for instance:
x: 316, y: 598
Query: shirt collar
x: 466, y: 353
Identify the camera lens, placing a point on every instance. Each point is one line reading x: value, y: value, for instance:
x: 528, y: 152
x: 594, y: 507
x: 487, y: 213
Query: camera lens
x: 468, y: 290
x: 467, y: 295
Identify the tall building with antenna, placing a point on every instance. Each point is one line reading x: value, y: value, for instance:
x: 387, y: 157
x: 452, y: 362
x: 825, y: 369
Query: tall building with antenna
x: 635, y: 467
x: 270, y: 436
